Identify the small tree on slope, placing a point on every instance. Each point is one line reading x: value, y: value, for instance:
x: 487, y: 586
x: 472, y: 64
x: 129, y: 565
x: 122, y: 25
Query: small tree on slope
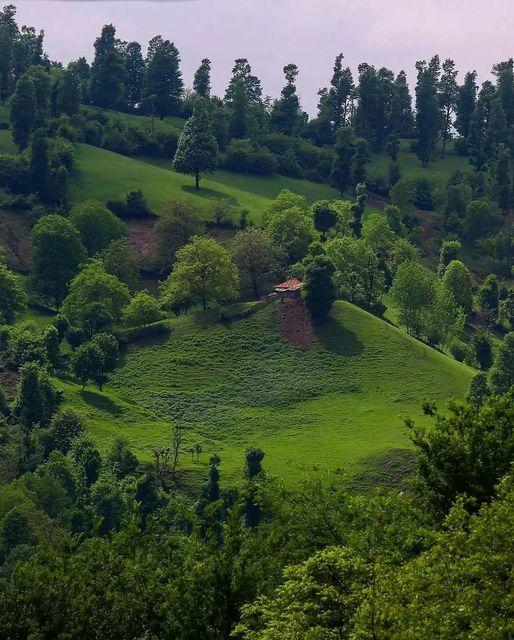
x: 197, y: 149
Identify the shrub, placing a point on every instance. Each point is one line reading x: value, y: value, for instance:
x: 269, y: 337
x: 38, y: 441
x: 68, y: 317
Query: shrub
x: 242, y: 156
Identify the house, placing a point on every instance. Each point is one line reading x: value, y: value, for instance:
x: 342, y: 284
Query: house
x: 289, y: 289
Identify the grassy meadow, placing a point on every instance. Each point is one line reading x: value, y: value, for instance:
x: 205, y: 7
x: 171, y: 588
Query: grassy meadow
x: 103, y: 175
x: 339, y: 404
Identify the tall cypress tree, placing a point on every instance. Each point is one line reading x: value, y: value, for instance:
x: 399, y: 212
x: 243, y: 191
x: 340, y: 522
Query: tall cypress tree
x: 6, y: 46
x: 448, y: 93
x: 502, y: 181
x: 286, y: 113
x: 39, y: 163
x: 466, y: 102
x: 163, y: 78
x: 401, y: 119
x: 340, y: 93
x: 107, y: 84
x: 341, y: 174
x: 202, y: 79
x: 135, y: 66
x: 23, y: 111
x: 428, y: 115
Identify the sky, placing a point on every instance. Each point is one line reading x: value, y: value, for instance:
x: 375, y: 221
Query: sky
x: 273, y: 33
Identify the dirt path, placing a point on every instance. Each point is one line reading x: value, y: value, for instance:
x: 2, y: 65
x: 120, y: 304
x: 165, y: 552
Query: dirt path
x: 296, y: 324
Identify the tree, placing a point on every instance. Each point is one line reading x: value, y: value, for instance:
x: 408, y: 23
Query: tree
x: 448, y: 92
x: 292, y: 231
x: 120, y: 260
x: 39, y: 166
x: 143, y: 309
x: 458, y: 280
x: 464, y: 452
x: 502, y: 181
x: 202, y: 79
x: 23, y: 111
x: 65, y: 427
x: 374, y: 92
x: 488, y: 297
x: 13, y: 300
x: 86, y: 456
x: 256, y: 258
x: 239, y: 112
x: 55, y: 256
x: 358, y: 208
x: 325, y: 217
x: 107, y: 83
x: 478, y: 391
x: 377, y: 233
x: 358, y: 275
x: 181, y: 220
x: 203, y: 271
x: 507, y: 309
x: 393, y: 146
x: 6, y: 48
x: 95, y: 299
x: 482, y: 348
x: 401, y: 119
x: 68, y: 93
x: 97, y: 226
x: 482, y: 217
x: 501, y: 375
x: 177, y: 438
x: 411, y: 294
x: 42, y: 92
x: 344, y: 149
x: 319, y: 289
x: 121, y: 460
x: 286, y: 112
x: 340, y: 94
x: 94, y: 359
x: 466, y: 102
x: 360, y: 160
x: 163, y: 78
x: 197, y: 149
x: 135, y: 66
x: 428, y: 115
x: 242, y: 76
x: 87, y: 362
x: 318, y: 598
x: 36, y: 398
x: 52, y: 345
x: 450, y: 250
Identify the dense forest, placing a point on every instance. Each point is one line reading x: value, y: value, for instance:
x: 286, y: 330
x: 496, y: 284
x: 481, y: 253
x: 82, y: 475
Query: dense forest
x: 397, y: 202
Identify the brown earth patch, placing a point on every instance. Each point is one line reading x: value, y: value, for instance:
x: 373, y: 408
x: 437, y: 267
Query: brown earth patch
x: 142, y: 237
x: 296, y: 323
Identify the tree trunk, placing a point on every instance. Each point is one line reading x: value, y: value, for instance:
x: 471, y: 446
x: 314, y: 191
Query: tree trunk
x: 197, y: 180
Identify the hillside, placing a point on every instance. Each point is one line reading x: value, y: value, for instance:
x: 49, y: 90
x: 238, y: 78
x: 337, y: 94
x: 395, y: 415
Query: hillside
x: 335, y: 405
x: 104, y: 175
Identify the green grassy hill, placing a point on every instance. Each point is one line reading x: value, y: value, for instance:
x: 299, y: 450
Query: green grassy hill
x: 439, y: 169
x: 336, y: 405
x: 104, y: 175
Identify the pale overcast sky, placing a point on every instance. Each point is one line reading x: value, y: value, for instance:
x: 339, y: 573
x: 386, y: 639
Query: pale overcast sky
x: 272, y: 33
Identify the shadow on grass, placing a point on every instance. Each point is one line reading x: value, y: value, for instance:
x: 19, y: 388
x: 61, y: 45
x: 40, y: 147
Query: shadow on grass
x: 334, y: 337
x: 100, y: 402
x: 208, y: 194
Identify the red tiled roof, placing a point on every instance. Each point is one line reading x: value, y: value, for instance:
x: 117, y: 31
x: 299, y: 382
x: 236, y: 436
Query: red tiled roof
x: 293, y: 283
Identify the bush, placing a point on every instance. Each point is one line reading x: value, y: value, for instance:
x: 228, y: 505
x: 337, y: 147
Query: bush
x: 242, y: 156
x: 134, y: 207
x: 459, y: 350
x: 15, y: 174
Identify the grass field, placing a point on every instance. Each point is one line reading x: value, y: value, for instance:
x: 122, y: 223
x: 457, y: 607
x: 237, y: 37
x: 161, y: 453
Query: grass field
x: 104, y: 175
x: 439, y: 169
x: 336, y: 405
